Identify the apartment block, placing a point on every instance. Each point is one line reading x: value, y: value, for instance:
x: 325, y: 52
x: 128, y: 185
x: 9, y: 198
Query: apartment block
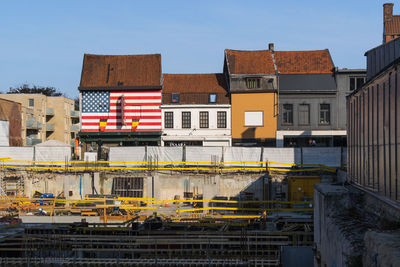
x: 46, y: 118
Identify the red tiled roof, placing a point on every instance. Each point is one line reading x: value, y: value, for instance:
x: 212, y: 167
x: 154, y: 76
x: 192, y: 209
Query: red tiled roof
x: 304, y: 62
x: 250, y: 62
x: 122, y: 70
x: 393, y: 26
x: 195, y: 88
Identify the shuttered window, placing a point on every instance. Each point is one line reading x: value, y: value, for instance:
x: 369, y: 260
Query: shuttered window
x: 304, y: 114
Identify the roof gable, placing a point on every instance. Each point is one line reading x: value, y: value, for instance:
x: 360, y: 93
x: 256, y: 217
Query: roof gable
x: 122, y: 70
x: 249, y: 62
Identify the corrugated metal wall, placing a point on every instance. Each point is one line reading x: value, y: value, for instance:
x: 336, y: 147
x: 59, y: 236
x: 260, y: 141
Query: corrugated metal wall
x: 374, y: 135
x: 381, y: 57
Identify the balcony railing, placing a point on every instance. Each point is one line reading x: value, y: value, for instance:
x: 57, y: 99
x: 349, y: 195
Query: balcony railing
x: 74, y: 114
x: 49, y: 111
x: 49, y: 127
x: 32, y: 140
x: 75, y: 128
x: 32, y: 123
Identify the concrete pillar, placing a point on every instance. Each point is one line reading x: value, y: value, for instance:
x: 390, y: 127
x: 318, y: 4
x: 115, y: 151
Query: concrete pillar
x: 152, y: 188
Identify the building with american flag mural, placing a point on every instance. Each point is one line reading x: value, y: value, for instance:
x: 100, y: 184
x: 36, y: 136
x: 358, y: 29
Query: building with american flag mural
x: 120, y: 98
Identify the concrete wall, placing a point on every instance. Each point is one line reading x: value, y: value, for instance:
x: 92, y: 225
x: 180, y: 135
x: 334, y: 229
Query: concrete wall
x: 331, y: 243
x: 354, y: 228
x: 163, y: 185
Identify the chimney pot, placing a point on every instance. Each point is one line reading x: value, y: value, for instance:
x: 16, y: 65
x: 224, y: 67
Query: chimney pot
x: 271, y: 47
x: 387, y: 11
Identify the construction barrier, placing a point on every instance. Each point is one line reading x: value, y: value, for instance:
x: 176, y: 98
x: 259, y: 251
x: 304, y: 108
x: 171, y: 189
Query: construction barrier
x: 101, y: 206
x: 167, y: 165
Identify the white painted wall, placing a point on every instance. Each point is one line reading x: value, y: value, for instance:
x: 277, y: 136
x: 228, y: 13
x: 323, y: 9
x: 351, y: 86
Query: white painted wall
x: 4, y: 130
x: 211, y: 136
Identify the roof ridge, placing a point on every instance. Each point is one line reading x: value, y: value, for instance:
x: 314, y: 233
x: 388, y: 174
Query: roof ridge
x: 108, y: 55
x: 262, y: 50
x: 208, y: 73
x: 326, y: 49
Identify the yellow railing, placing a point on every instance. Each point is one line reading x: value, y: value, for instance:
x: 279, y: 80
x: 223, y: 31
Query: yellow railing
x: 155, y: 166
x: 24, y: 204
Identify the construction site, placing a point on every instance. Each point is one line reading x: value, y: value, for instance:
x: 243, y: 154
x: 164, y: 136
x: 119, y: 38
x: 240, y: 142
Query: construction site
x: 190, y: 206
x: 168, y: 213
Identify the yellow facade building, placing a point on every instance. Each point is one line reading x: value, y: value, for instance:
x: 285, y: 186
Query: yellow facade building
x: 253, y: 91
x: 46, y: 118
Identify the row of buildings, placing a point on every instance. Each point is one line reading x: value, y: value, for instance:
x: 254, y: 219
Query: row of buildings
x: 30, y: 119
x: 261, y: 98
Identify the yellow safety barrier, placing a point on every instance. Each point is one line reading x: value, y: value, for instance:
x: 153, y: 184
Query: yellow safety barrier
x: 242, y: 209
x: 187, y: 166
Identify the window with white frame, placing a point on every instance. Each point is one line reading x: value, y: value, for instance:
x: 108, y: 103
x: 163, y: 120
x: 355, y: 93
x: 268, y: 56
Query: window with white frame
x: 324, y: 113
x: 287, y: 114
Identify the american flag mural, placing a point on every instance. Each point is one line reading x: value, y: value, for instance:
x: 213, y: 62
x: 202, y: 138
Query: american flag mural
x: 122, y: 111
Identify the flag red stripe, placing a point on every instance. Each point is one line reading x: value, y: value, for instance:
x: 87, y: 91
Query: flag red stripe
x: 136, y: 104
x: 120, y: 124
x: 135, y: 97
x: 133, y: 110
x: 134, y: 92
x: 120, y: 130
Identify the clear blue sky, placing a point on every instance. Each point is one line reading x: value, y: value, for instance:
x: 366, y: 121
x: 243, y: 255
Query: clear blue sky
x: 43, y: 42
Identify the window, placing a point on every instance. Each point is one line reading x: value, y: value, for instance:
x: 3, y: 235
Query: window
x: 175, y: 98
x: 31, y: 102
x: 221, y: 119
x: 287, y: 114
x: 169, y: 120
x: 212, y: 98
x: 186, y: 120
x: 325, y: 114
x: 203, y: 119
x: 253, y: 118
x: 253, y: 83
x: 304, y: 114
x: 356, y: 82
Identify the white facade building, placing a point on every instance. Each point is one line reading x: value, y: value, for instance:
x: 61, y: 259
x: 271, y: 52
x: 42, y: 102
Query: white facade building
x: 213, y: 135
x: 196, y: 110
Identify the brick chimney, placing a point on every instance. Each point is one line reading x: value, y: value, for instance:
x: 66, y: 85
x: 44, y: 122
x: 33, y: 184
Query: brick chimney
x: 387, y: 12
x: 271, y: 47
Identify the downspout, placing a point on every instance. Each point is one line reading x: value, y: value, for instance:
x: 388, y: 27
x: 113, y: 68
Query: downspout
x: 271, y: 50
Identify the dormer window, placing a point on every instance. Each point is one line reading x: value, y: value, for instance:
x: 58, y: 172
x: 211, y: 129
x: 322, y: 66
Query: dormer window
x: 253, y: 83
x: 175, y: 99
x: 212, y: 98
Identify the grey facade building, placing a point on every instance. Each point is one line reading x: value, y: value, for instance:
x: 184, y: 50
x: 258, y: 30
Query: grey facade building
x: 347, y: 80
x: 312, y: 99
